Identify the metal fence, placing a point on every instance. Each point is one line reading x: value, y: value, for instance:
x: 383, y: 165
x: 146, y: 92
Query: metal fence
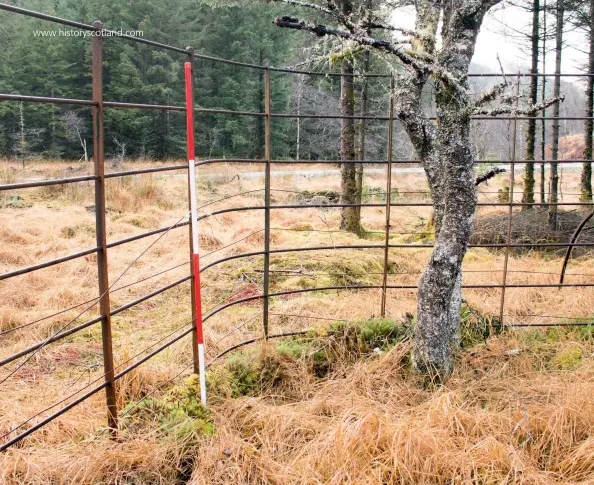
x: 113, y: 373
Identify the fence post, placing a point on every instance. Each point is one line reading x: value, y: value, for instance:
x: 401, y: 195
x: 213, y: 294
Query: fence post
x: 511, y: 200
x: 267, y: 156
x: 198, y: 333
x: 100, y: 226
x: 388, y: 195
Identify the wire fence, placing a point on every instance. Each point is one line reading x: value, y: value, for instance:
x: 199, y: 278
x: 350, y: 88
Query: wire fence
x: 393, y: 200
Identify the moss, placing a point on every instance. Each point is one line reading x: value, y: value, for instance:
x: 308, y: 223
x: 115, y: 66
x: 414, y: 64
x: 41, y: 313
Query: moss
x: 251, y: 372
x: 363, y: 336
x: 476, y: 328
x: 294, y: 348
x: 179, y: 412
x: 567, y: 358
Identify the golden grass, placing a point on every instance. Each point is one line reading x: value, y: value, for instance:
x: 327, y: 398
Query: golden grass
x: 499, y: 419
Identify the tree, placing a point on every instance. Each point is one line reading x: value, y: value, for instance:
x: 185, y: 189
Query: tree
x: 583, y: 19
x: 444, y: 147
x: 528, y: 195
x: 350, y: 217
x: 554, y: 178
x: 588, y: 123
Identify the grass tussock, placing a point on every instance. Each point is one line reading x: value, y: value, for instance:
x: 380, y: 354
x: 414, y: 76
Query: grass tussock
x: 503, y: 417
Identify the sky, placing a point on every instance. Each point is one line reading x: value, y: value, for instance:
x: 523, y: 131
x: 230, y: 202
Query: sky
x: 499, y: 36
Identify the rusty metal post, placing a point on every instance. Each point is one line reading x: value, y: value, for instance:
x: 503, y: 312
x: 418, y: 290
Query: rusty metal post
x: 190, y: 131
x: 512, y: 178
x: 388, y: 196
x: 101, y: 231
x: 267, y: 156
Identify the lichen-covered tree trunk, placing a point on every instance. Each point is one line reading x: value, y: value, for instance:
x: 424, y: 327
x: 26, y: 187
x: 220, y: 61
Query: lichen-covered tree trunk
x: 362, y: 130
x: 588, y: 124
x: 350, y: 215
x: 554, y: 179
x: 443, y: 146
x: 349, y: 220
x: 528, y: 194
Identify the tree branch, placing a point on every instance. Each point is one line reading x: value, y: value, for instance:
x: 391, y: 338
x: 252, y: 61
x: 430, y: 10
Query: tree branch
x: 491, y: 94
x: 488, y: 175
x: 379, y: 26
x: 529, y: 111
x: 420, y: 66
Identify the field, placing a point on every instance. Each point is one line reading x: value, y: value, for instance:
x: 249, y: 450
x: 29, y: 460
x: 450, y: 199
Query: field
x: 518, y: 408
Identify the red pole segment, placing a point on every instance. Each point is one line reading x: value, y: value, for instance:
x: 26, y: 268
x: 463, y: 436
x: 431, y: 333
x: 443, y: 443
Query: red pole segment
x: 194, y: 227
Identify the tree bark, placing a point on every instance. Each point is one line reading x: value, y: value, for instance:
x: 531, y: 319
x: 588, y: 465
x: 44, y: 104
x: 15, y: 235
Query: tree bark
x: 586, y: 195
x: 362, y: 130
x: 350, y: 219
x: 543, y: 129
x: 528, y: 195
x: 443, y: 147
x: 554, y: 180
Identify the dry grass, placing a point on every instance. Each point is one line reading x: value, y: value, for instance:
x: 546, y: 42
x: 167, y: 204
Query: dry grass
x: 500, y: 419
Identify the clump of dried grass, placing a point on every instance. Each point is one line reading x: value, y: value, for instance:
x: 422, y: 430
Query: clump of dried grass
x: 377, y: 425
x: 528, y: 227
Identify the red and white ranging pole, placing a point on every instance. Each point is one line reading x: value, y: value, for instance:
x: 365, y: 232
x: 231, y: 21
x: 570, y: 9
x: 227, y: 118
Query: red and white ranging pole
x: 194, y: 228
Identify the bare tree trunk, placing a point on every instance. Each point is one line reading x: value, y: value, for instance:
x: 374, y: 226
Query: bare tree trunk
x: 554, y: 181
x: 528, y: 195
x: 586, y: 195
x: 350, y: 219
x: 362, y: 130
x: 543, y: 130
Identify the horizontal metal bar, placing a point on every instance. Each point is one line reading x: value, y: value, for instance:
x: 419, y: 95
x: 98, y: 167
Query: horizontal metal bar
x: 93, y: 391
x: 366, y: 287
x: 254, y: 340
x: 148, y: 296
x: 46, y: 99
x: 145, y: 171
x: 229, y: 160
x: 530, y: 74
x: 124, y: 105
x: 80, y: 25
x: 47, y: 264
x: 153, y: 353
x: 51, y: 417
x: 231, y: 258
x: 145, y: 234
x: 431, y: 118
x: 43, y: 16
x: 54, y: 338
x: 142, y: 40
x: 173, y: 107
x: 162, y: 107
x: 216, y: 111
x: 418, y: 162
x: 45, y: 183
x: 90, y: 178
x: 82, y: 326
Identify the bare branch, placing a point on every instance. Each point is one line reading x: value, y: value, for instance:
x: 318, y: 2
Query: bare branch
x: 379, y: 26
x: 489, y: 175
x: 529, y: 111
x: 420, y: 66
x: 331, y: 9
x: 491, y: 94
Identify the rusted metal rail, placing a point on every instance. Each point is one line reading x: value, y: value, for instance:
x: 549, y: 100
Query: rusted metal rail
x: 97, y: 105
